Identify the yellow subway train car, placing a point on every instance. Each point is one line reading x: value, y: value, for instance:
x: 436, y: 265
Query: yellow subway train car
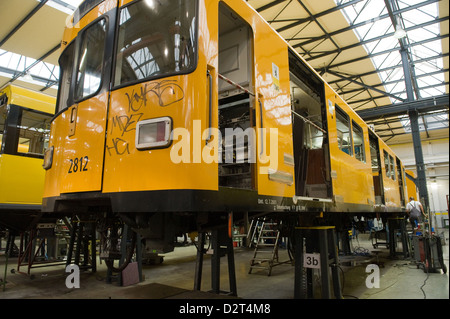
x: 25, y: 118
x: 174, y: 114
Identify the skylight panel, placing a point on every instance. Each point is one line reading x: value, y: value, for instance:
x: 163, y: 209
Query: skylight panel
x: 67, y: 6
x: 14, y: 63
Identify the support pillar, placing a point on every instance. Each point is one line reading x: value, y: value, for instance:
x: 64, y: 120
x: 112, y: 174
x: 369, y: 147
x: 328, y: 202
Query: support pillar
x: 318, y: 240
x: 221, y: 245
x: 418, y: 155
x: 81, y: 233
x: 415, y: 130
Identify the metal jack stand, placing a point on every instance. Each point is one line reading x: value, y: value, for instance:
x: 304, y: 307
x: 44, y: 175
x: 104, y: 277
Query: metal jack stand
x: 400, y: 224
x: 325, y: 238
x: 3, y: 281
x: 128, y: 272
x: 38, y: 237
x: 81, y: 233
x: 221, y: 244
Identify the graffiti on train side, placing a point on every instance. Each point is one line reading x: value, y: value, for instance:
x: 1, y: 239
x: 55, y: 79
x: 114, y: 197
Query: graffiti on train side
x: 167, y: 92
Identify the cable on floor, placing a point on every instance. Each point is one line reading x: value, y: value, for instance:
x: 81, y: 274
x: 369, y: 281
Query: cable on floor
x: 343, y: 284
x: 361, y: 251
x: 424, y: 283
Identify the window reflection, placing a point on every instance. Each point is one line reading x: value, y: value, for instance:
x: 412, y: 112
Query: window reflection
x: 155, y: 38
x: 34, y: 132
x: 358, y: 142
x: 343, y: 131
x: 90, y: 61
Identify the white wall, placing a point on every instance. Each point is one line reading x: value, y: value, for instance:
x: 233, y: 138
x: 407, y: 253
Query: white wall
x: 436, y: 159
x: 435, y: 151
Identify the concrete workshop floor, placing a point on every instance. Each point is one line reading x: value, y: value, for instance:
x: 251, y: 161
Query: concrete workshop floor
x: 399, y: 278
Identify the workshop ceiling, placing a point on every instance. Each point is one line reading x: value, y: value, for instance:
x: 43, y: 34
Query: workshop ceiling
x: 30, y: 37
x: 351, y: 43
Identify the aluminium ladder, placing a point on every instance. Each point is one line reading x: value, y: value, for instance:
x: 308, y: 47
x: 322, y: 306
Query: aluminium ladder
x: 266, y: 247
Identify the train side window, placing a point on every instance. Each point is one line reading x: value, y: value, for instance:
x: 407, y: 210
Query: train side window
x: 343, y: 131
x: 90, y: 60
x: 392, y: 164
x: 34, y: 132
x: 374, y: 156
x: 386, y: 164
x: 3, y: 113
x: 389, y: 165
x: 358, y: 142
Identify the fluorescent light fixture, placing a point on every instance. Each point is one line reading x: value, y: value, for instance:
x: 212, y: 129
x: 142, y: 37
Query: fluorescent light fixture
x: 150, y: 3
x: 399, y: 33
x: 27, y: 76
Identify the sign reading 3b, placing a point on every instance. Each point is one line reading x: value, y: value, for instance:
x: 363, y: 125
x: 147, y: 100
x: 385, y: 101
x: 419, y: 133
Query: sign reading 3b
x: 311, y: 261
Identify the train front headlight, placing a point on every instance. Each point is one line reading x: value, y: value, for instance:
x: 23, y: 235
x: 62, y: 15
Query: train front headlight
x: 153, y: 133
x: 48, y: 158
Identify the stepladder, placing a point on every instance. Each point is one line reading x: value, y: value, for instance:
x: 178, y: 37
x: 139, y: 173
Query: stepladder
x: 266, y: 241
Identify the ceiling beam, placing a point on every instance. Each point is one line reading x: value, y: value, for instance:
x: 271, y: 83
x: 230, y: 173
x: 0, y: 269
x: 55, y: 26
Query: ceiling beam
x: 363, y: 23
x: 269, y: 5
x: 442, y: 55
x: 313, y: 17
x: 367, y: 86
x: 364, y: 42
x: 11, y: 72
x: 348, y: 78
x: 369, y: 56
x: 374, y: 98
x: 395, y: 120
x: 18, y: 74
x: 422, y: 105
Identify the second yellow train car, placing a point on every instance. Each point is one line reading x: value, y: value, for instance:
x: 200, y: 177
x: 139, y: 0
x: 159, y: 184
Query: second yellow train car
x: 25, y: 117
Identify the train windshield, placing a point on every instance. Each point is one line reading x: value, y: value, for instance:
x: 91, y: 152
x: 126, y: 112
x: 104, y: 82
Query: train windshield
x: 156, y: 38
x: 88, y: 67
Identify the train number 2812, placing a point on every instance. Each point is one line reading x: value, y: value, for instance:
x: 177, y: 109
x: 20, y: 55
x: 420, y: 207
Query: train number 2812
x: 78, y: 164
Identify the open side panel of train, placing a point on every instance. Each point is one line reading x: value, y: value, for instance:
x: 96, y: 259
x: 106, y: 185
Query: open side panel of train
x: 173, y: 114
x: 25, y: 118
x: 411, y: 185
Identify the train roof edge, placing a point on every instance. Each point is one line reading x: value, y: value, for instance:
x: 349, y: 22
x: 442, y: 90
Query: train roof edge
x: 29, y: 98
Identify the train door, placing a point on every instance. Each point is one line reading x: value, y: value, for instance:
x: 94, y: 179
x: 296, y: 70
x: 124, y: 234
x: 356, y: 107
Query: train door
x: 159, y: 105
x: 236, y: 102
x: 376, y: 169
x: 82, y: 106
x: 311, y: 148
x: 401, y: 183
